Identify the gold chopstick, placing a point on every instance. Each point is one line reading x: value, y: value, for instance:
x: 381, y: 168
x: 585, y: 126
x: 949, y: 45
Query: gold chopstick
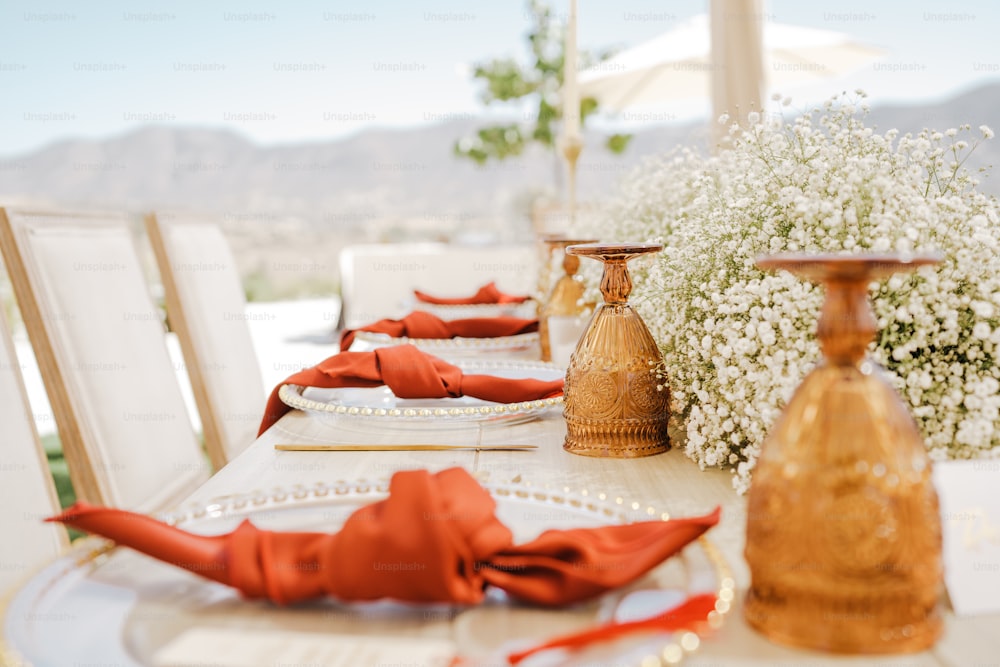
x: 400, y: 448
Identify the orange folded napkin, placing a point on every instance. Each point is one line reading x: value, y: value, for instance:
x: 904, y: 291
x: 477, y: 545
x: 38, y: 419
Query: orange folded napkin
x: 409, y: 373
x: 420, y: 324
x: 486, y: 294
x: 692, y: 614
x: 434, y: 539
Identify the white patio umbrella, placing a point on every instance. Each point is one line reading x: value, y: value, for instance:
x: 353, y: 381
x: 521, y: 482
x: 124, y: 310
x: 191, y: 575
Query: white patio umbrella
x: 678, y: 64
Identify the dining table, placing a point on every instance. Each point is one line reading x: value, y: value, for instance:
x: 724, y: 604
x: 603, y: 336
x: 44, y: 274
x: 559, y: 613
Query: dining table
x: 101, y: 605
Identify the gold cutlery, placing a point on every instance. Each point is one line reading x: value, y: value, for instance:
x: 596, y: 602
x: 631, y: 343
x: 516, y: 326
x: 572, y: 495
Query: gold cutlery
x: 401, y: 448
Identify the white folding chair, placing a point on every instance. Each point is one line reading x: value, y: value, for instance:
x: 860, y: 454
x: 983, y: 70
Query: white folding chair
x: 100, y: 345
x: 206, y: 308
x: 27, y: 493
x: 377, y: 280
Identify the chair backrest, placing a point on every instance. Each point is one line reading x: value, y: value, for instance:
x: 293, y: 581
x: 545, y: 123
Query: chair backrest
x: 207, y: 309
x: 101, y: 350
x: 27, y: 494
x: 377, y: 280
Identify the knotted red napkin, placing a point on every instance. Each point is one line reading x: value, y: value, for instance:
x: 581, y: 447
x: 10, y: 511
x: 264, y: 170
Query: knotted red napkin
x: 488, y: 293
x: 420, y: 324
x: 435, y: 538
x: 409, y: 373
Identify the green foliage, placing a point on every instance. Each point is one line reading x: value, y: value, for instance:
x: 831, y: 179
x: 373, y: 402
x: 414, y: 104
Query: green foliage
x: 541, y: 78
x: 617, y: 143
x: 60, y: 475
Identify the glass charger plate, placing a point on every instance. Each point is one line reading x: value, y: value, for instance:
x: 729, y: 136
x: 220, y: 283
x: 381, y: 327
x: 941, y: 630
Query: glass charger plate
x: 379, y: 403
x: 367, y: 340
x: 528, y: 309
x: 117, y: 607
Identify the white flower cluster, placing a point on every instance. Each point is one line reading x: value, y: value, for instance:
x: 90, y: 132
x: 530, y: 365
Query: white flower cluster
x: 737, y: 340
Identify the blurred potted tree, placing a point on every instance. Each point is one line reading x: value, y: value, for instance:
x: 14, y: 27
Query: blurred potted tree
x: 538, y: 81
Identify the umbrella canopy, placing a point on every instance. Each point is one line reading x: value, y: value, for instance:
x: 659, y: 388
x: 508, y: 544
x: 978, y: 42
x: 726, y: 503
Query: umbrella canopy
x: 678, y: 64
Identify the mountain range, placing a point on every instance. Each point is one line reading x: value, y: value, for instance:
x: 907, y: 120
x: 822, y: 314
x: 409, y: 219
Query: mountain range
x: 376, y: 178
x: 299, y: 205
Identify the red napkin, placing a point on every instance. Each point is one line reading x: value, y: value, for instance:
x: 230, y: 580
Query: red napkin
x: 434, y: 539
x: 419, y: 324
x: 692, y: 614
x: 486, y: 294
x: 409, y: 373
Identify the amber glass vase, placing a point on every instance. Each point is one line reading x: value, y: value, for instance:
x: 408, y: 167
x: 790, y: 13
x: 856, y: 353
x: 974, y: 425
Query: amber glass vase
x: 613, y: 406
x: 566, y: 294
x: 843, y: 532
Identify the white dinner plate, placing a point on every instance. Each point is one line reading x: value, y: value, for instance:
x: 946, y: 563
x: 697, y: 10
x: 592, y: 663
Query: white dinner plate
x: 384, y: 407
x: 368, y: 340
x: 118, y: 607
x: 526, y: 309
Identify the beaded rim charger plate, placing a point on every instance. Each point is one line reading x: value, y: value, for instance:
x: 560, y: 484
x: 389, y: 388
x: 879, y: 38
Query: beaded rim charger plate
x: 99, y: 605
x: 380, y: 404
x: 458, y: 311
x: 372, y: 340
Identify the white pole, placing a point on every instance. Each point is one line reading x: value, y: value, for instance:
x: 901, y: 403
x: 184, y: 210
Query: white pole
x: 572, y: 143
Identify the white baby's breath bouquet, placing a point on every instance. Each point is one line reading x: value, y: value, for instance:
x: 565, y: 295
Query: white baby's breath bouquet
x: 737, y: 340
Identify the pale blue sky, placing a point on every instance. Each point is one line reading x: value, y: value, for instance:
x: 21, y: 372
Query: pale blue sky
x: 300, y: 71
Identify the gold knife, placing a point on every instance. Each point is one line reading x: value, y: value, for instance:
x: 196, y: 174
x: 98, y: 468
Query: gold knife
x: 401, y: 448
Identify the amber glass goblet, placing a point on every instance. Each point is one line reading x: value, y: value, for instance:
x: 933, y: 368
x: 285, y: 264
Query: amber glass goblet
x: 613, y: 406
x: 546, y: 275
x: 564, y: 300
x: 843, y: 533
